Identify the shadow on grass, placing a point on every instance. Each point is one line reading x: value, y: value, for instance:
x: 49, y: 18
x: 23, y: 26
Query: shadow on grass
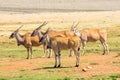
x: 51, y: 68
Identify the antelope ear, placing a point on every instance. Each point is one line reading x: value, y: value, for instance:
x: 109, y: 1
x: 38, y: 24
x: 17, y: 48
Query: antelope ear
x: 42, y: 38
x: 46, y: 31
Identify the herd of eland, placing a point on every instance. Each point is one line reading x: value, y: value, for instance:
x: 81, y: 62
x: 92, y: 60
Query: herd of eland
x: 57, y: 41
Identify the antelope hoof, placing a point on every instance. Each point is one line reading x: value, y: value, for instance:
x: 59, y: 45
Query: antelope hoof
x: 59, y: 65
x: 49, y: 56
x: 103, y: 54
x: 27, y: 58
x: 70, y: 55
x: 55, y: 66
x: 77, y: 65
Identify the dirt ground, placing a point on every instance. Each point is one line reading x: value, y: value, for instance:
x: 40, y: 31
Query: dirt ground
x: 100, y: 64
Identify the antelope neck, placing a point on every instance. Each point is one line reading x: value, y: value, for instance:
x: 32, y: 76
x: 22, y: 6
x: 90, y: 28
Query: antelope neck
x: 19, y: 39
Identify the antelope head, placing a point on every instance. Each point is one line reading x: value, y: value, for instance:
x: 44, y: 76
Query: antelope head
x: 74, y: 29
x: 45, y: 37
x: 37, y: 32
x: 15, y: 32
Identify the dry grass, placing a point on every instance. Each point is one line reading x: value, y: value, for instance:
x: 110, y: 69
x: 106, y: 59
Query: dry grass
x: 57, y: 21
x: 95, y: 18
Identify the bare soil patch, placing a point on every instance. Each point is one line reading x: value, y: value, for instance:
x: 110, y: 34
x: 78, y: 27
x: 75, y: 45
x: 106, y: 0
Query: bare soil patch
x: 101, y: 64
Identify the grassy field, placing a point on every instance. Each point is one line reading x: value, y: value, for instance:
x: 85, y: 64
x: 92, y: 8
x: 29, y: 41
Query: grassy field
x: 14, y: 66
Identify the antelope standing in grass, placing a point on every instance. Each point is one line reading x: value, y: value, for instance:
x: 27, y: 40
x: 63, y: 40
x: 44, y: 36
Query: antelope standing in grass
x: 27, y: 41
x: 59, y: 43
x: 53, y: 33
x: 92, y: 35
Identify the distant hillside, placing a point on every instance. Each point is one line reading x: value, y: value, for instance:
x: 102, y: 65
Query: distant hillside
x: 78, y: 5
